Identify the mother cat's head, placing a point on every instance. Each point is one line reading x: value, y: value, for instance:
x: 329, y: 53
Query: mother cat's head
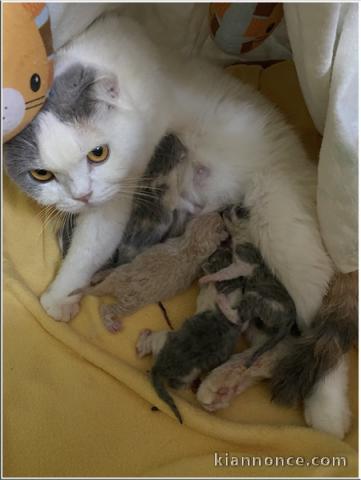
x: 100, y: 124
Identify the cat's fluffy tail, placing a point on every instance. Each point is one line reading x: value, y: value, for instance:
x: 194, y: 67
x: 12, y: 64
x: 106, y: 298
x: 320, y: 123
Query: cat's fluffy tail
x: 312, y: 355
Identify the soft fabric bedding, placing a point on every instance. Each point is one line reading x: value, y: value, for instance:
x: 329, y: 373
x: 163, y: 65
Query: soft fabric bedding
x: 324, y: 42
x: 77, y: 400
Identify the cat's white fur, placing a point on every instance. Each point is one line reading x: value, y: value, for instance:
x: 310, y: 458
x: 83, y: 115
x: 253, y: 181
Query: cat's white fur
x: 328, y: 409
x: 229, y: 129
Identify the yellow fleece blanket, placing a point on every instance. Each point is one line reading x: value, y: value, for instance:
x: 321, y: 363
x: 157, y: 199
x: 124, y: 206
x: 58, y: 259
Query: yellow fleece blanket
x: 77, y: 401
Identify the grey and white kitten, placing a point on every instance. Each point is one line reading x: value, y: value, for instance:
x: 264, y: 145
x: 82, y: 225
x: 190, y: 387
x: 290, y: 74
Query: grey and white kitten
x: 203, y: 342
x: 115, y: 97
x: 263, y: 306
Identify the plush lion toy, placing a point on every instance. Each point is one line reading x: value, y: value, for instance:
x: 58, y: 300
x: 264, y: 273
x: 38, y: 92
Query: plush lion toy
x: 28, y: 66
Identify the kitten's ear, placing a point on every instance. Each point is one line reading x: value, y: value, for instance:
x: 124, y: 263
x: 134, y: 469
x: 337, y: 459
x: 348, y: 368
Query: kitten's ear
x: 106, y: 89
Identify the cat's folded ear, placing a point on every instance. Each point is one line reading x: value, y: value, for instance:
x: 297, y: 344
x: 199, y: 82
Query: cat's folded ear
x: 79, y: 86
x: 107, y: 90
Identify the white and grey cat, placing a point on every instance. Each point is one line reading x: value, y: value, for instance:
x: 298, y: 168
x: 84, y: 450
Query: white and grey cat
x: 114, y: 98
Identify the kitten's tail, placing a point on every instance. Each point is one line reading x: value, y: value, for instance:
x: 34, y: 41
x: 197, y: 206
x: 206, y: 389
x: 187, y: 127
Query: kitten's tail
x: 159, y: 387
x: 316, y: 352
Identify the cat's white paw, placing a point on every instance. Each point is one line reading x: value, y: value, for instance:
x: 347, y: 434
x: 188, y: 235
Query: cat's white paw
x: 327, y: 408
x: 60, y: 309
x: 328, y: 417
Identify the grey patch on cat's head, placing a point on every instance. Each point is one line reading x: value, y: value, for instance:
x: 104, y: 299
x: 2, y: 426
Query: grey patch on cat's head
x: 72, y: 96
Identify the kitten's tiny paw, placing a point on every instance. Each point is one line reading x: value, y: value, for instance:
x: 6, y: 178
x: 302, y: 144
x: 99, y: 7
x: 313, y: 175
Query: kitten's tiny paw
x: 221, y: 386
x: 143, y: 346
x: 60, y: 309
x: 113, y: 326
x: 109, y: 317
x: 214, y: 397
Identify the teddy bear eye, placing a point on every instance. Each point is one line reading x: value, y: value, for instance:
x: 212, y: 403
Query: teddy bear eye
x: 35, y: 82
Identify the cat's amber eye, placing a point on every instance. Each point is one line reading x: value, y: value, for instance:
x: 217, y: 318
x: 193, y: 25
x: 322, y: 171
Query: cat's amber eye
x: 98, y: 154
x: 42, y: 175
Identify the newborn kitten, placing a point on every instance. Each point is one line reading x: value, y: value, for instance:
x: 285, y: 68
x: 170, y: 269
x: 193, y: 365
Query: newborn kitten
x: 209, y: 293
x: 204, y: 342
x: 159, y: 272
x: 265, y: 308
x: 158, y: 210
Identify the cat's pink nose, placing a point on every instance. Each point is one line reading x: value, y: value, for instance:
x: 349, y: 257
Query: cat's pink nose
x: 84, y: 198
